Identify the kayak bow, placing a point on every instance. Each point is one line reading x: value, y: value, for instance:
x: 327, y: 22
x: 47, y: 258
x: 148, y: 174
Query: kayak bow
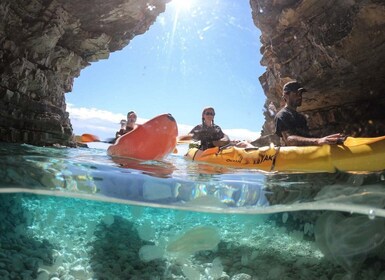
x: 149, y: 141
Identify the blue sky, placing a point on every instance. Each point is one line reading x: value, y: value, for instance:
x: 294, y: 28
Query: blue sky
x: 197, y: 54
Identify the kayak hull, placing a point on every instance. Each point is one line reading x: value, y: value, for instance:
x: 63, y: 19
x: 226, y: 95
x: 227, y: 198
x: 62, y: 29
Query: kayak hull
x: 150, y: 141
x: 364, y: 156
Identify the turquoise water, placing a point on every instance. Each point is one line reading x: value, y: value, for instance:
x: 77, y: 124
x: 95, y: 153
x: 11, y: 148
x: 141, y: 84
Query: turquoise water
x: 78, y: 214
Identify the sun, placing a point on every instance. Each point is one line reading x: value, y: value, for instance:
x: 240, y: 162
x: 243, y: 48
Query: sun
x: 182, y: 4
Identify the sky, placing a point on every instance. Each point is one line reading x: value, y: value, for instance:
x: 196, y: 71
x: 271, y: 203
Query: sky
x: 198, y: 53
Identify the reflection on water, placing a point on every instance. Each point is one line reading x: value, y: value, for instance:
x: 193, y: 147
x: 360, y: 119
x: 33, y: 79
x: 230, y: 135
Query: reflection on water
x: 154, y: 168
x: 181, y: 220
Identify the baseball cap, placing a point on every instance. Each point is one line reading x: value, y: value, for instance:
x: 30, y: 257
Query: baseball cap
x: 293, y: 86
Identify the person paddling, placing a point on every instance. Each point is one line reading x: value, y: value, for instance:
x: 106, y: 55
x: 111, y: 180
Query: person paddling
x: 209, y: 134
x: 123, y: 124
x: 128, y: 126
x: 291, y: 126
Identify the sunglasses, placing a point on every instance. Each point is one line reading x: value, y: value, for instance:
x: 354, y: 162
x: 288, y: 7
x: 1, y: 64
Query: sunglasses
x: 210, y: 114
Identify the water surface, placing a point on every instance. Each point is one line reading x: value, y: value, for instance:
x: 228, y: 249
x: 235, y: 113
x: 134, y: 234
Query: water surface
x: 78, y: 214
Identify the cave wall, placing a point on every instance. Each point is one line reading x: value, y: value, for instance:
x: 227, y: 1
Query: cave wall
x: 44, y: 44
x: 336, y: 49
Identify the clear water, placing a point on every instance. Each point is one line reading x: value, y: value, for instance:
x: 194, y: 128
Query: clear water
x: 78, y: 214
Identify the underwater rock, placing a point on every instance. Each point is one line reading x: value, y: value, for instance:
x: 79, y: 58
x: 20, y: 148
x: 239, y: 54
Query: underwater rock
x: 241, y: 276
x: 191, y: 273
x: 117, y: 252
x: 43, y: 274
x: 78, y: 272
x: 194, y: 240
x: 217, y: 268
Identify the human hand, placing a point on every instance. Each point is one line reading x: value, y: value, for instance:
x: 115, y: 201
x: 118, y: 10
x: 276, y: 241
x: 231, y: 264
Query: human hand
x: 332, y: 139
x: 220, y: 143
x: 242, y: 144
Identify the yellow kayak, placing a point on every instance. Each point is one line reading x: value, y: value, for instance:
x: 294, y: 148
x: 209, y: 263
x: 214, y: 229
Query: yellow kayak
x: 355, y: 154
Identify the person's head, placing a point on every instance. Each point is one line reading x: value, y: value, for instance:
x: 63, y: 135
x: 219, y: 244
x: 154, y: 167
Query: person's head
x: 131, y: 118
x: 208, y: 114
x: 292, y: 94
x: 123, y: 123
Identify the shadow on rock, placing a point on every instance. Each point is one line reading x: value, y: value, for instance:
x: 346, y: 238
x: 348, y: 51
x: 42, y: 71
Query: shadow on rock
x: 115, y: 253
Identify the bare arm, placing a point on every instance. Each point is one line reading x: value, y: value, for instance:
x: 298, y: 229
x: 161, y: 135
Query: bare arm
x: 225, y: 138
x: 223, y: 141
x: 186, y: 137
x: 295, y: 140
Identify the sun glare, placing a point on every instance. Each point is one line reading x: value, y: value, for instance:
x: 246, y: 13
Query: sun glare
x: 182, y: 4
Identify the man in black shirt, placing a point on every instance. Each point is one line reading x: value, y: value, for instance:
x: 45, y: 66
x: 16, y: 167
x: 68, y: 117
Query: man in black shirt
x: 292, y: 127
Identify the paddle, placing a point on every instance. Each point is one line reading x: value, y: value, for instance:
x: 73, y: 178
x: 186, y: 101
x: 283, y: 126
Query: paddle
x: 348, y: 142
x: 88, y: 137
x: 221, y: 143
x: 184, y: 141
x: 353, y: 142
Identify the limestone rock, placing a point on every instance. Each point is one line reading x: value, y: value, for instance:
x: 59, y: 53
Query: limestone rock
x: 44, y: 45
x: 336, y: 49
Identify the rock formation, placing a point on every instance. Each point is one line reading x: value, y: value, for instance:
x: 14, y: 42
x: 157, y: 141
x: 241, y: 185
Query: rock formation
x: 335, y: 48
x: 44, y: 45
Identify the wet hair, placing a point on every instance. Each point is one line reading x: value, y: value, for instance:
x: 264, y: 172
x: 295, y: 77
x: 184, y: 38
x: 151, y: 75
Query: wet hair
x: 203, y: 113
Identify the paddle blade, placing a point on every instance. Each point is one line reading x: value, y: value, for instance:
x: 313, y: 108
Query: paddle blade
x: 184, y: 141
x: 352, y: 142
x: 210, y: 151
x: 86, y: 137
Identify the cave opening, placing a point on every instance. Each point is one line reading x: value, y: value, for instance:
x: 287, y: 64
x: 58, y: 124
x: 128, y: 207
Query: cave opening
x: 196, y: 54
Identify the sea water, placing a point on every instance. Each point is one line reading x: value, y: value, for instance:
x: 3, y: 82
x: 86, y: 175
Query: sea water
x: 70, y: 213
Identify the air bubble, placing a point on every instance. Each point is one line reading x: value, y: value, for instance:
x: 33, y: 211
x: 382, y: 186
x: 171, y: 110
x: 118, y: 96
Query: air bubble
x: 372, y: 214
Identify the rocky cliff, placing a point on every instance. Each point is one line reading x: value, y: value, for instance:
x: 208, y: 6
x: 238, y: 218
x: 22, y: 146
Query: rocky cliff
x: 335, y: 48
x: 44, y: 45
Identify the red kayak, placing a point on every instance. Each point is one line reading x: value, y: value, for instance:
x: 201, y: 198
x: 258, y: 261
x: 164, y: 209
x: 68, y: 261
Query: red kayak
x: 150, y: 141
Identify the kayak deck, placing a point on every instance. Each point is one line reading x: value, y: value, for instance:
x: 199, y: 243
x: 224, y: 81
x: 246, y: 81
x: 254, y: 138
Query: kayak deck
x: 357, y: 155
